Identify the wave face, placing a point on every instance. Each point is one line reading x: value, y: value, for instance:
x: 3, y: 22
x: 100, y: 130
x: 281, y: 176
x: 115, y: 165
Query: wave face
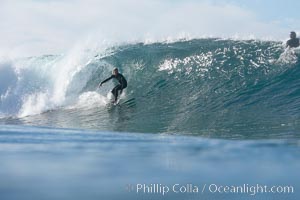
x: 209, y: 87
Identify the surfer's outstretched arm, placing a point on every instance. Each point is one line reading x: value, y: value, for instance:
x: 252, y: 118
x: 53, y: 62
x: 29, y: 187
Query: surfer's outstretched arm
x: 105, y: 80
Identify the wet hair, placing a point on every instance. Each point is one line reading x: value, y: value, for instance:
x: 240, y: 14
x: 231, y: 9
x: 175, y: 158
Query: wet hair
x: 293, y: 34
x: 115, y: 69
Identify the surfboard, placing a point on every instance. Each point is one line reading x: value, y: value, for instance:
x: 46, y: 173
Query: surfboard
x: 125, y: 103
x: 116, y: 103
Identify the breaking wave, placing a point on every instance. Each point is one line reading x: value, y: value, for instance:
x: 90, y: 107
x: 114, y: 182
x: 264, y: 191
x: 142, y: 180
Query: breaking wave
x: 201, y: 86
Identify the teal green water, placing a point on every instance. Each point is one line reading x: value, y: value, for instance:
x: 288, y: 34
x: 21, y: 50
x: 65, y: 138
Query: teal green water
x: 203, y: 112
x: 207, y: 87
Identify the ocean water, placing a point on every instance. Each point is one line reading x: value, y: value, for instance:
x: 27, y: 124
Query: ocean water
x: 198, y: 113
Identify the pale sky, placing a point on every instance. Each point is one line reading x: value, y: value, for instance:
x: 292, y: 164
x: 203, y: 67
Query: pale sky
x: 36, y: 27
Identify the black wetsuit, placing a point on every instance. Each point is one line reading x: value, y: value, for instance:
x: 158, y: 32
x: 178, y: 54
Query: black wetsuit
x: 293, y: 42
x: 122, y: 84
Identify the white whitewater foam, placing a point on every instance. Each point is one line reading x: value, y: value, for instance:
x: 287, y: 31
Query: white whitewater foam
x: 90, y: 100
x: 59, y: 75
x: 289, y: 56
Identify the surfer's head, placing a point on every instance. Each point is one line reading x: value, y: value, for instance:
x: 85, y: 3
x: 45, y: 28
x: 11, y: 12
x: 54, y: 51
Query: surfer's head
x: 115, y: 71
x: 293, y: 35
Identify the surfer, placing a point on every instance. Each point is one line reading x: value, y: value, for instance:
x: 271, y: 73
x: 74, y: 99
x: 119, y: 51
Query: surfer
x: 122, y: 83
x: 294, y: 41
